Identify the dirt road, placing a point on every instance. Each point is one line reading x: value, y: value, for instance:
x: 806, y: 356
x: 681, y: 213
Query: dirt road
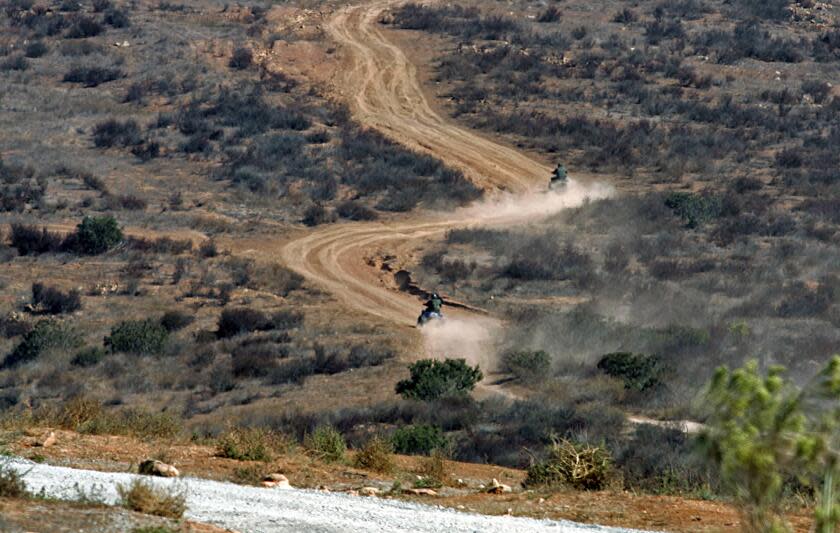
x: 254, y: 510
x: 383, y: 90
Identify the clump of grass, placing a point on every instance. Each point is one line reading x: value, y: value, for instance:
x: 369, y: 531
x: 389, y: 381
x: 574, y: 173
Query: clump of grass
x: 251, y: 444
x: 248, y: 475
x: 11, y: 484
x: 154, y: 529
x: 143, y: 497
x: 327, y: 444
x: 433, y: 470
x: 376, y: 455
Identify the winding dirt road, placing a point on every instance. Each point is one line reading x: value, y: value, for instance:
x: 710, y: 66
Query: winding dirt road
x: 384, y: 92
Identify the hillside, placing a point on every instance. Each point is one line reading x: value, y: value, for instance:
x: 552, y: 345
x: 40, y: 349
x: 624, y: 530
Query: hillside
x: 223, y: 220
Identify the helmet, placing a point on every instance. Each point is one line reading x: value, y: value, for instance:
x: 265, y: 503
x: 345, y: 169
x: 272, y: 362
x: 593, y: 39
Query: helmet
x: 435, y: 296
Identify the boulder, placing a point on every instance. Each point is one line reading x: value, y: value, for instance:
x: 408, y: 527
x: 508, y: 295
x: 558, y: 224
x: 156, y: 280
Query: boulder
x: 47, y: 440
x: 420, y: 492
x: 276, y: 481
x: 153, y: 467
x: 498, y: 488
x: 369, y: 491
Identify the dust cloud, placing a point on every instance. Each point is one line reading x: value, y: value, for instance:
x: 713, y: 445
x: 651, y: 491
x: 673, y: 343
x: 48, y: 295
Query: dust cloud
x: 523, y: 208
x: 478, y: 339
x: 464, y: 337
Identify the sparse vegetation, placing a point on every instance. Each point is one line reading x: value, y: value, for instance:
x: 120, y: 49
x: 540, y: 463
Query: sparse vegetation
x: 46, y: 335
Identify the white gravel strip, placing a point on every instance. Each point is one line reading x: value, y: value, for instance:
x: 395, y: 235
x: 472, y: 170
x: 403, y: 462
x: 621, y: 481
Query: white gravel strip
x: 254, y: 509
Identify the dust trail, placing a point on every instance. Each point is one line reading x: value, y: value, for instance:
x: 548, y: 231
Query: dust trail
x: 532, y: 206
x: 476, y: 338
x: 470, y: 337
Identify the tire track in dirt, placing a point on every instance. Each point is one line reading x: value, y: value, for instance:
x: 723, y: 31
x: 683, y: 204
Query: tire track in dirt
x: 382, y: 88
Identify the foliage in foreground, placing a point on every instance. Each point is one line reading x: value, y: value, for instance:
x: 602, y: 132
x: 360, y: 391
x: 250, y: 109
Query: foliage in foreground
x: 763, y: 432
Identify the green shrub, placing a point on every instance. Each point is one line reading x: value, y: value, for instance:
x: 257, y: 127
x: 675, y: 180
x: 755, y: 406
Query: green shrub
x: 694, y: 209
x: 143, y: 497
x: 419, y: 439
x: 137, y: 337
x: 530, y: 367
x: 432, y: 379
x: 237, y: 320
x: 46, y: 335
x: 96, y: 235
x: 754, y: 433
x: 580, y: 466
x: 175, y: 320
x: 375, y: 455
x: 53, y: 301
x: 639, y: 372
x: 327, y: 444
x: 90, y: 356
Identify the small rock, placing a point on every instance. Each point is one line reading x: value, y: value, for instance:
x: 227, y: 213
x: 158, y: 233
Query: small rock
x: 352, y: 492
x: 369, y: 491
x: 420, y: 492
x: 48, y: 440
x: 276, y: 481
x: 153, y: 467
x: 498, y: 488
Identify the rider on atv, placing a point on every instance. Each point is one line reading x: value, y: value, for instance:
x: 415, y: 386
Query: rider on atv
x: 432, y: 310
x: 558, y: 177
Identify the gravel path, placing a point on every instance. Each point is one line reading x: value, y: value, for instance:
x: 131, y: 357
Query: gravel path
x: 252, y: 509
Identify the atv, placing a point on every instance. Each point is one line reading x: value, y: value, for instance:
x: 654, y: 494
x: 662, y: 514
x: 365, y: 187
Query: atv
x: 558, y: 178
x: 427, y: 316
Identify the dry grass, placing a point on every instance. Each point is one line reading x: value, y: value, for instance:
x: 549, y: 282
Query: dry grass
x: 143, y: 497
x: 252, y: 444
x: 11, y: 484
x: 376, y: 455
x: 433, y: 469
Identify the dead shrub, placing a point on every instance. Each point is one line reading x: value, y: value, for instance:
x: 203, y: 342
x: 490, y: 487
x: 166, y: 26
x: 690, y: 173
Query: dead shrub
x: 433, y: 469
x: 581, y: 466
x: 376, y: 455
